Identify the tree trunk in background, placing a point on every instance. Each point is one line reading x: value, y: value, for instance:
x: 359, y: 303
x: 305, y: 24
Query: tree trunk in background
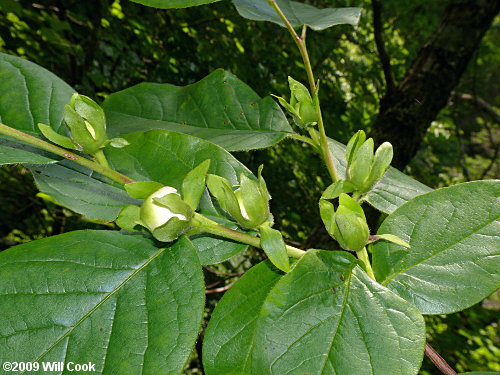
x: 407, y: 112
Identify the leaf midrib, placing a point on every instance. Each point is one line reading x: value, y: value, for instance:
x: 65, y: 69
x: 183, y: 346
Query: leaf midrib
x: 388, y: 280
x: 112, y: 293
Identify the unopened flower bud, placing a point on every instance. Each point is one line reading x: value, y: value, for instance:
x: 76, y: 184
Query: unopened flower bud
x: 363, y: 168
x: 302, y: 107
x: 248, y: 205
x: 348, y: 224
x: 86, y: 122
x: 165, y: 214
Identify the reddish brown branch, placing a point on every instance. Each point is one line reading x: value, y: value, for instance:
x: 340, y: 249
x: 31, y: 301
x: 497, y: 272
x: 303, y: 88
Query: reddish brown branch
x: 440, y: 363
x: 222, y: 289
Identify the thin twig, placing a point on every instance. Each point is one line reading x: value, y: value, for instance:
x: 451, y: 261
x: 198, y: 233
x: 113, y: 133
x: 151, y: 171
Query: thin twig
x: 41, y: 144
x: 222, y: 289
x: 440, y: 363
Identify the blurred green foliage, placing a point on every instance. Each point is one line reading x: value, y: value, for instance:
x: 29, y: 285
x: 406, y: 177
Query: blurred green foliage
x: 104, y: 46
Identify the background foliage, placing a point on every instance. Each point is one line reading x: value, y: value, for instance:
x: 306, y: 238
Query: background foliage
x: 100, y: 47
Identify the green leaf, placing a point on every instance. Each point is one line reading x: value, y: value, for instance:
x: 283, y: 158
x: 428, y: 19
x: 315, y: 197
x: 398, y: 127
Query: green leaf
x: 103, y: 297
x: 298, y: 14
x: 78, y: 189
x: 168, y: 4
x: 326, y: 316
x: 143, y: 189
x: 230, y: 334
x: 219, y: 108
x: 31, y: 95
x: 274, y: 246
x: 392, y: 191
x: 14, y: 153
x: 454, y: 259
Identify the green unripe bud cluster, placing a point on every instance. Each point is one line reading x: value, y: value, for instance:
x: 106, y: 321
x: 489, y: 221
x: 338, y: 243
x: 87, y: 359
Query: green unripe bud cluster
x: 86, y: 123
x: 248, y: 204
x: 302, y: 107
x: 364, y: 168
x: 348, y: 224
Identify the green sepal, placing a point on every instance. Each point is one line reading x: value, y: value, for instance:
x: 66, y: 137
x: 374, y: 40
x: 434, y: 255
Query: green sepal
x: 391, y: 238
x: 289, y: 108
x: 352, y: 204
x: 91, y: 112
x: 274, y: 246
x: 79, y: 133
x: 193, y: 184
x: 171, y: 230
x: 359, y: 169
x: 350, y: 230
x: 299, y: 91
x: 220, y: 188
x: 327, y: 213
x: 308, y: 113
x: 176, y: 204
x: 129, y: 217
x: 56, y: 138
x: 262, y: 183
x: 143, y: 189
x: 354, y: 144
x: 255, y: 201
x: 337, y: 188
x: 381, y: 162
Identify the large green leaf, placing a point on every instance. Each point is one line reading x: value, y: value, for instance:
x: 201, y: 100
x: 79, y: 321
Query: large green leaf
x: 298, y: 14
x: 167, y: 4
x: 392, y: 191
x: 219, y: 108
x: 81, y: 190
x: 13, y: 153
x: 326, y: 316
x: 30, y: 95
x: 102, y: 297
x: 454, y: 259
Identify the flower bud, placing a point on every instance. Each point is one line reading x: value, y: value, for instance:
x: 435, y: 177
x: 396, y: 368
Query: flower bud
x: 86, y: 122
x: 348, y: 224
x: 165, y: 214
x: 381, y: 162
x: 358, y: 170
x: 248, y: 205
x: 363, y: 168
x: 302, y: 107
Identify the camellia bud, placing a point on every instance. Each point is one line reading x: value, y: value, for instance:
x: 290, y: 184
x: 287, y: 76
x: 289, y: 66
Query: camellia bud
x: 248, y: 205
x: 363, y: 168
x: 165, y: 214
x: 348, y: 224
x: 86, y: 122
